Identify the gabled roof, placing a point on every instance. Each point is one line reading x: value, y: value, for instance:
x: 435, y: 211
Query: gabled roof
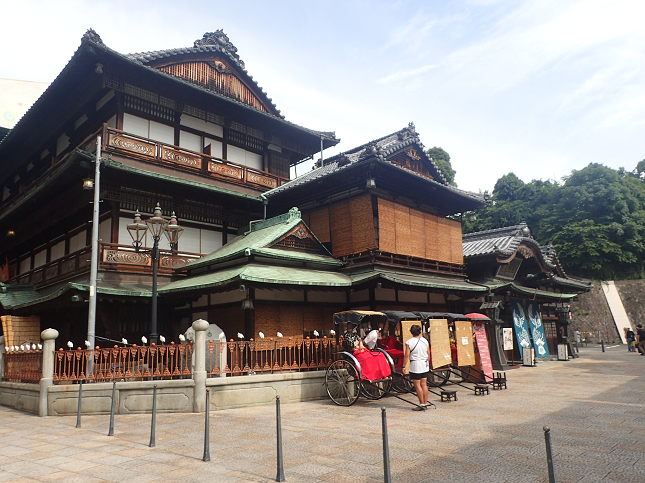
x: 212, y: 42
x: 378, y: 150
x: 504, y: 243
x: 259, y: 241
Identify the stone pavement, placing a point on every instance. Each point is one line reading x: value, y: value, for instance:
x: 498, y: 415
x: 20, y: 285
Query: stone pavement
x: 594, y: 405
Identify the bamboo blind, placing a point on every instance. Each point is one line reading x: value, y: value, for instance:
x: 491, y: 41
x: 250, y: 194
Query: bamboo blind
x: 440, y: 343
x: 18, y: 330
x: 465, y: 352
x: 387, y: 234
x: 319, y: 224
x: 406, y: 231
x: 341, y: 229
x: 363, y: 236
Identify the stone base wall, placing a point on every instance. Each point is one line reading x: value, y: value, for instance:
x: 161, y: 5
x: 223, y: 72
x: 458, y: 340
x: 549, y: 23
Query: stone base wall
x: 236, y: 392
x: 20, y: 396
x: 172, y: 396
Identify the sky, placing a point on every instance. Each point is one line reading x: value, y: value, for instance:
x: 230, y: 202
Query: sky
x: 538, y: 88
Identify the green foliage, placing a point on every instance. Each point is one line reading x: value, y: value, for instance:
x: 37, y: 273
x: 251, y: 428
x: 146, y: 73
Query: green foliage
x: 595, y: 219
x: 442, y: 160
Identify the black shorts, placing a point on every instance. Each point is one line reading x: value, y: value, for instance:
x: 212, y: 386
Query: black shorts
x: 418, y: 376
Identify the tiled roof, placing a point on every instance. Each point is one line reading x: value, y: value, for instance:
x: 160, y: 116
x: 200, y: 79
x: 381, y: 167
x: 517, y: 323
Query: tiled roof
x: 378, y: 149
x: 500, y: 241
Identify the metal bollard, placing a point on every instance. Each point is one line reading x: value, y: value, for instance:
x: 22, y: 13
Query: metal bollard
x: 280, y: 473
x: 154, y: 416
x: 602, y: 343
x: 387, y: 477
x: 80, y: 396
x: 111, y: 430
x: 549, y: 454
x: 207, y: 452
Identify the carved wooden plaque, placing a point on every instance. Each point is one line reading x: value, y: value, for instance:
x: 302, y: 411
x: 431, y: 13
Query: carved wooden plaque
x: 126, y: 258
x: 261, y: 180
x: 174, y: 156
x: 134, y: 145
x: 173, y: 261
x: 226, y: 170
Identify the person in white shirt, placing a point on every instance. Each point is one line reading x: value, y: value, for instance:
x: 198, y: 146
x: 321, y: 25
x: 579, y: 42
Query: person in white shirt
x: 417, y: 352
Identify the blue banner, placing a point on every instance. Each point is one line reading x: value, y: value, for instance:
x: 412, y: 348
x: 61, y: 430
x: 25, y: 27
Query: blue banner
x: 521, y: 327
x: 537, y: 330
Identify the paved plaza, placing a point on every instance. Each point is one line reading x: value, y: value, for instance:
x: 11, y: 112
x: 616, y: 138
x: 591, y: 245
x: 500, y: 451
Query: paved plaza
x: 594, y: 405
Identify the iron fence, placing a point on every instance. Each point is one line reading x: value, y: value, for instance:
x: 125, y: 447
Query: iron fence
x: 23, y: 366
x: 135, y: 363
x: 237, y: 358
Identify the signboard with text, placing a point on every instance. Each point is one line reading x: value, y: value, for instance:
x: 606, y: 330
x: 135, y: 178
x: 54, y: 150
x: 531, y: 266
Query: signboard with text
x: 482, y: 346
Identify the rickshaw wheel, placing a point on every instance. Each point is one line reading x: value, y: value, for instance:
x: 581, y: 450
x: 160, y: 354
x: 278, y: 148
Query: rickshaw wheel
x: 376, y: 389
x: 439, y: 377
x: 401, y: 383
x: 342, y: 382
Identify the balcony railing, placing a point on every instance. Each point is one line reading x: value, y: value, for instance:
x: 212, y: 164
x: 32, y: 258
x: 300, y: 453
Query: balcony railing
x: 111, y: 256
x: 185, y: 160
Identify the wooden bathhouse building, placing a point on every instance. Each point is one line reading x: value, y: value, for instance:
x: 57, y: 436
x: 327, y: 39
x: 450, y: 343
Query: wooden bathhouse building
x: 375, y: 227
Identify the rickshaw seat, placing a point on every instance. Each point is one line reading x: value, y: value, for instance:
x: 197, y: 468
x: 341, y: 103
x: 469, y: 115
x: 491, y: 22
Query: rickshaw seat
x: 374, y: 365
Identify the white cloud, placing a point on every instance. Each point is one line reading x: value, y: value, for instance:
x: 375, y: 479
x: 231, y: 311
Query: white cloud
x: 402, y: 75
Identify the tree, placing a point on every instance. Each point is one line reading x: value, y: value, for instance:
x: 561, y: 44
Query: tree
x: 506, y: 187
x: 441, y: 159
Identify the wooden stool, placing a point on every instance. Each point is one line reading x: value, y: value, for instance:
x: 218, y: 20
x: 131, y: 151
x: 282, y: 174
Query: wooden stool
x: 481, y: 390
x: 447, y: 396
x: 499, y: 383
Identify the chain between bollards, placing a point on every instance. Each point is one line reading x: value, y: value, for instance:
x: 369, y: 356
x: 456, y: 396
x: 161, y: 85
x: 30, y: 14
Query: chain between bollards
x: 549, y: 454
x: 207, y: 451
x: 154, y: 417
x: 280, y: 472
x: 80, y: 396
x: 387, y: 474
x: 111, y: 430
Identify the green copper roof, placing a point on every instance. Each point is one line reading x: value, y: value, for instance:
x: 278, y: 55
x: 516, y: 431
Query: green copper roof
x: 262, y: 234
x: 113, y: 164
x: 253, y: 272
x: 496, y: 284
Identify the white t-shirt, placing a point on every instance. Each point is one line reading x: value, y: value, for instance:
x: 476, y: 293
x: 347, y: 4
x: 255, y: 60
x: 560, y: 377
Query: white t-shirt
x: 418, y: 355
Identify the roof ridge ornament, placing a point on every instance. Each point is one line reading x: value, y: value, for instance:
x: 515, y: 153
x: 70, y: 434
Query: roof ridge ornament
x: 92, y: 36
x: 220, y: 40
x: 294, y: 214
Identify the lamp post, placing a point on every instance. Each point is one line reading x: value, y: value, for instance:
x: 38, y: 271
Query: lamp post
x: 157, y: 225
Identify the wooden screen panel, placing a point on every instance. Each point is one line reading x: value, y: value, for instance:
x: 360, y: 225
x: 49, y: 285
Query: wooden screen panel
x: 387, y: 234
x: 439, y: 343
x: 363, y: 236
x: 464, y: 339
x: 402, y: 229
x: 341, y: 229
x: 417, y: 234
x: 319, y: 224
x: 444, y: 239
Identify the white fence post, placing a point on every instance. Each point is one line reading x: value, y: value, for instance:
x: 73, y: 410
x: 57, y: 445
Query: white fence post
x: 49, y: 337
x: 199, y: 372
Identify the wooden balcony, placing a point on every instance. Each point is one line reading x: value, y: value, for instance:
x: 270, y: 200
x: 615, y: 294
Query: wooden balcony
x: 112, y: 257
x: 115, y: 141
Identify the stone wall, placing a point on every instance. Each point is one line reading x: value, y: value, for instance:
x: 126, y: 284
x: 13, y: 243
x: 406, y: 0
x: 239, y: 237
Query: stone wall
x: 632, y: 294
x: 589, y: 314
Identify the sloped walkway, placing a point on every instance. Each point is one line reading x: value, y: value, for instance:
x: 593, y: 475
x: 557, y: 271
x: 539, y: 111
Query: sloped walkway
x: 594, y: 405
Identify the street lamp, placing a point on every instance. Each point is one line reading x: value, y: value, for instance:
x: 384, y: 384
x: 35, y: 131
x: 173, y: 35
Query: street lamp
x: 157, y: 225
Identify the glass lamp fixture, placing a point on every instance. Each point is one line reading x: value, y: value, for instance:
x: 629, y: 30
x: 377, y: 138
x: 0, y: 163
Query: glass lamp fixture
x: 156, y: 223
x: 173, y: 232
x: 137, y: 230
x: 88, y: 184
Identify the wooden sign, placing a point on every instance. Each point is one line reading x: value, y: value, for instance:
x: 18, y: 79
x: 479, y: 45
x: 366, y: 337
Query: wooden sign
x: 439, y: 343
x: 508, y: 338
x: 482, y: 347
x: 464, y: 338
